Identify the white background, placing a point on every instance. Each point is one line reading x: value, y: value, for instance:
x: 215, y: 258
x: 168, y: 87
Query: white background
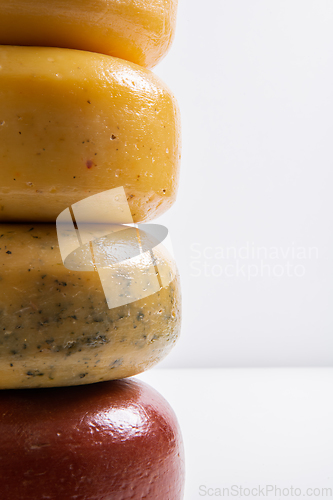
x: 251, y: 427
x: 254, y: 80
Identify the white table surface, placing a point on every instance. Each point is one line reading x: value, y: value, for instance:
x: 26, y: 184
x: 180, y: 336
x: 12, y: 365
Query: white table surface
x: 253, y: 427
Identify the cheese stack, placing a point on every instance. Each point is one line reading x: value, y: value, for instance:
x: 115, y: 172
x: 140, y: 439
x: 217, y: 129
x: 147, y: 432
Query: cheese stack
x: 75, y: 125
x: 83, y: 298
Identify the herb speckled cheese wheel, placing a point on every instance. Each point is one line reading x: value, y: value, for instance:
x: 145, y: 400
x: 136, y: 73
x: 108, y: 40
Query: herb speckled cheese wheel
x: 140, y: 31
x: 74, y: 124
x: 55, y: 326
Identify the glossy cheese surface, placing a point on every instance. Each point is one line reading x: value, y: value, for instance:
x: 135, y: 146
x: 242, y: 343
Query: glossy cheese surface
x: 74, y: 124
x: 111, y: 441
x: 140, y: 31
x: 56, y: 328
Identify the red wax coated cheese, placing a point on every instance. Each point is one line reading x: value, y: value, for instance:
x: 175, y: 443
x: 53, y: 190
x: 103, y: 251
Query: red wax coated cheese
x: 116, y: 440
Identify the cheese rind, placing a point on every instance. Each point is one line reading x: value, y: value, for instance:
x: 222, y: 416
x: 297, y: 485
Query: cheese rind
x: 117, y: 440
x: 56, y: 328
x: 139, y: 31
x: 74, y: 124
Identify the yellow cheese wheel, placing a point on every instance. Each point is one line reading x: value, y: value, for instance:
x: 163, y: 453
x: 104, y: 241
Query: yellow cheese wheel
x: 56, y: 327
x: 140, y: 31
x: 75, y: 123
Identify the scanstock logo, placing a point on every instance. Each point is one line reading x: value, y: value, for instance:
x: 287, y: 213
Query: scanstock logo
x: 98, y: 234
